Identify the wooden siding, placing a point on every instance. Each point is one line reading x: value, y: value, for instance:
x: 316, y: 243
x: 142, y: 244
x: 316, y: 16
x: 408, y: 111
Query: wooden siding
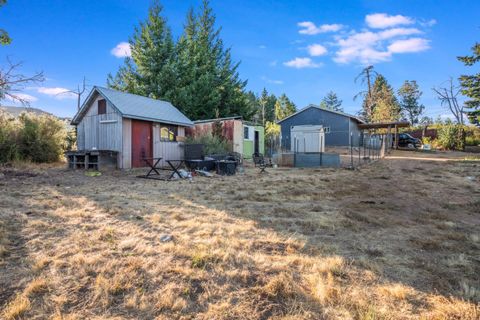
x: 126, y: 154
x: 102, y: 132
x: 232, y: 130
x: 168, y: 150
x: 80, y: 136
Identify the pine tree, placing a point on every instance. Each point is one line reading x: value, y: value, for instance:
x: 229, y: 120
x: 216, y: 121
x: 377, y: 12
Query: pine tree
x: 471, y: 86
x: 269, y: 100
x: 385, y: 104
x: 410, y: 95
x: 331, y: 102
x: 4, y: 37
x: 209, y: 80
x: 284, y: 107
x: 151, y: 69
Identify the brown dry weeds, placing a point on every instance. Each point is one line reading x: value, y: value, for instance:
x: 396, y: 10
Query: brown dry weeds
x: 398, y: 239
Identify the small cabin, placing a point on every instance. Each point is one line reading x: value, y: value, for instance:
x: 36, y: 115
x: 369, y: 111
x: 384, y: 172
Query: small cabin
x: 133, y: 126
x: 246, y: 137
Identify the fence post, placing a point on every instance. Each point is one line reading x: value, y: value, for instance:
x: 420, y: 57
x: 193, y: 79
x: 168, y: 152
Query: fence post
x: 321, y: 151
x: 369, y: 146
x: 359, y: 149
x: 351, y: 150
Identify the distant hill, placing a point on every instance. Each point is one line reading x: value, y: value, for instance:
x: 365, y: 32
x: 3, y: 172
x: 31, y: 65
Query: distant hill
x: 16, y: 111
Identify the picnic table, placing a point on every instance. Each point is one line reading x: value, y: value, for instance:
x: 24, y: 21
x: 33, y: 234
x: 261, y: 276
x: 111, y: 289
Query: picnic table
x: 174, y: 166
x: 153, y: 172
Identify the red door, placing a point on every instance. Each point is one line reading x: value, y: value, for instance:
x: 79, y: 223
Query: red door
x: 141, y: 142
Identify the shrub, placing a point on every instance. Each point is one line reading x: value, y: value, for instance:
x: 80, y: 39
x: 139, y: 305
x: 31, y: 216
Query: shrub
x: 31, y: 137
x: 212, y: 144
x: 8, y: 138
x: 472, y: 136
x: 451, y: 137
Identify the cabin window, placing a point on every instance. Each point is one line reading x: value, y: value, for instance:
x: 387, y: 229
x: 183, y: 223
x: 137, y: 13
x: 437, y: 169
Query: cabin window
x: 168, y: 133
x: 326, y: 129
x: 102, y: 106
x: 245, y: 133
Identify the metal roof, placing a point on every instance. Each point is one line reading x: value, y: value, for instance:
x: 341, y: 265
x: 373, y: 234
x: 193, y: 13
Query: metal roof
x: 218, y: 119
x: 323, y: 109
x: 380, y: 125
x: 136, y: 107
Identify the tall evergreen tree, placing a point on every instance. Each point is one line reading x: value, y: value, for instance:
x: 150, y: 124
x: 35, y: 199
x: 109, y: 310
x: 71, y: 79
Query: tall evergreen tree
x: 410, y: 95
x: 270, y: 100
x: 284, y: 107
x: 151, y: 69
x: 331, y: 102
x: 471, y: 86
x: 209, y: 80
x: 4, y: 37
x: 385, y: 104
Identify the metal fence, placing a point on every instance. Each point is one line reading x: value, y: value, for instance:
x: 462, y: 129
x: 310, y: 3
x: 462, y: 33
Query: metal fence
x: 369, y: 146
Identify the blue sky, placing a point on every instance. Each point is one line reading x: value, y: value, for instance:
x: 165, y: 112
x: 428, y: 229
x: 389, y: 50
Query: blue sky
x: 301, y: 48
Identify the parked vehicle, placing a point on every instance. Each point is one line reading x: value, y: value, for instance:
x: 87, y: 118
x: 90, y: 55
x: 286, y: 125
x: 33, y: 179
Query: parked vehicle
x: 407, y: 141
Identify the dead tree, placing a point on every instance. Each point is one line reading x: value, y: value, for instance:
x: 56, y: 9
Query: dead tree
x: 77, y: 92
x: 448, y: 97
x: 12, y: 83
x: 366, y: 75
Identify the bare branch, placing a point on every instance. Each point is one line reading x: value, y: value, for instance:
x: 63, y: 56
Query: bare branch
x: 447, y: 94
x: 13, y: 83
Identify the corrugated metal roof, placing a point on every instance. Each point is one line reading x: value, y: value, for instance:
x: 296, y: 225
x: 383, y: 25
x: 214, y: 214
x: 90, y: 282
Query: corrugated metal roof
x: 218, y: 119
x: 138, y: 107
x: 328, y: 110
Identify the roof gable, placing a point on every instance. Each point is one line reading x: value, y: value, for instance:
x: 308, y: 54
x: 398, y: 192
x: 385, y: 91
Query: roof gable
x: 322, y: 109
x: 136, y: 107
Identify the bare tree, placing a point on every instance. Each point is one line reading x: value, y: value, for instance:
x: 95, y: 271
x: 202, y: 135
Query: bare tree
x: 367, y: 76
x: 447, y: 94
x: 12, y: 83
x: 77, y: 92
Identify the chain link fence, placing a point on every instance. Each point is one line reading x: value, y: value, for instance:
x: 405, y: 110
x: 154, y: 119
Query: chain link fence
x: 367, y: 147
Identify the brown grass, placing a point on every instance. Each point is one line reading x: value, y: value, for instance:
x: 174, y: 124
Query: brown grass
x: 397, y: 239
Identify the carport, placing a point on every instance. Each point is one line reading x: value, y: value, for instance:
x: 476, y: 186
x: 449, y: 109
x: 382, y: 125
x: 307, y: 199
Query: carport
x: 386, y: 125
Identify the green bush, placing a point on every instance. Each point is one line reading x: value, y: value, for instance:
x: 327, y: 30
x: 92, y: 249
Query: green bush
x: 212, y: 144
x: 451, y: 137
x: 472, y: 136
x: 31, y: 137
x: 8, y: 138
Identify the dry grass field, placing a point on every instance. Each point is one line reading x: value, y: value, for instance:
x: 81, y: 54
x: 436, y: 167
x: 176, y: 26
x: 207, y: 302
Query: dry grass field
x: 397, y: 239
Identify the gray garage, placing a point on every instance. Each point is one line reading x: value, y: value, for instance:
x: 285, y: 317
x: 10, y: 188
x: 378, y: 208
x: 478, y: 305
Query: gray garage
x: 338, y: 126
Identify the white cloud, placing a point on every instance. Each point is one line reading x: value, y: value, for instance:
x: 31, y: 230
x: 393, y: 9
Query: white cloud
x: 429, y: 23
x: 267, y: 80
x: 57, y: 92
x: 316, y: 50
x: 22, y: 96
x: 409, y: 45
x: 262, y: 46
x: 122, y: 50
x: 382, y: 20
x: 301, y: 63
x: 310, y: 28
x: 371, y: 47
x: 395, y: 32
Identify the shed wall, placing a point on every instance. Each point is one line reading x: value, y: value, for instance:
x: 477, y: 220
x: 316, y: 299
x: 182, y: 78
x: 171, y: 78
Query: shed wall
x: 126, y: 154
x: 102, y: 132
x: 167, y: 150
x: 340, y: 126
